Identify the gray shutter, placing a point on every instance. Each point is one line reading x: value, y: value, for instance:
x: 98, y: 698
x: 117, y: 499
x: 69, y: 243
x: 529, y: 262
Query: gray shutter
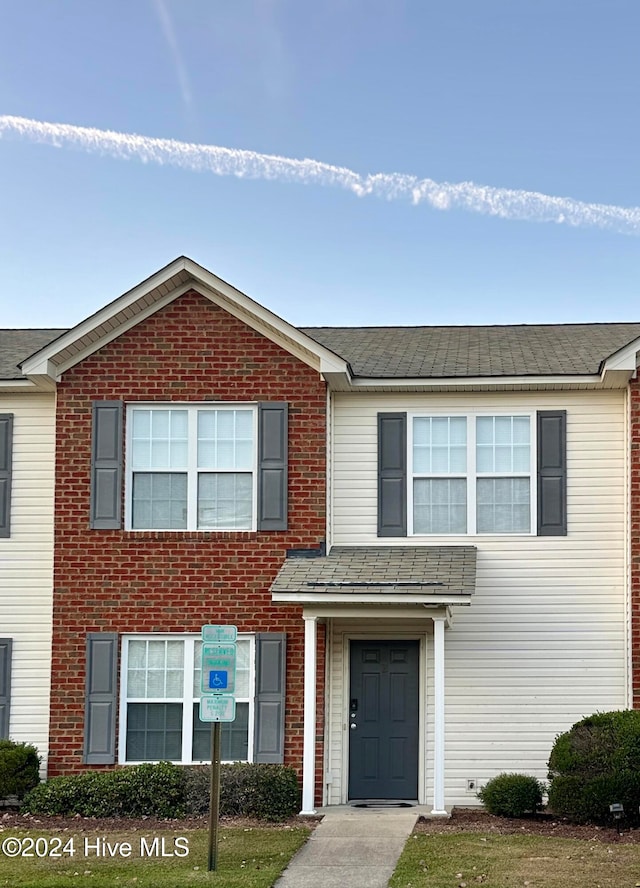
x: 100, y: 699
x: 6, y: 447
x: 106, y: 465
x: 270, y: 697
x: 5, y: 685
x: 552, y: 472
x: 273, y: 440
x: 392, y: 474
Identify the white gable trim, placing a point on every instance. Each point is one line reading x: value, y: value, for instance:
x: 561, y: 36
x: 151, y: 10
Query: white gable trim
x: 155, y: 293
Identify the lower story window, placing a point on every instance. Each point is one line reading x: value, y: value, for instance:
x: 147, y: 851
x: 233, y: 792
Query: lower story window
x: 160, y: 702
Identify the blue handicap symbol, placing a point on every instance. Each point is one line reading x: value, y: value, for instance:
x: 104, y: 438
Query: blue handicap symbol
x: 218, y: 679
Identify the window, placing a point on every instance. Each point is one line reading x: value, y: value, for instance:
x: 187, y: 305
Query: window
x: 160, y: 702
x: 471, y: 474
x: 191, y: 468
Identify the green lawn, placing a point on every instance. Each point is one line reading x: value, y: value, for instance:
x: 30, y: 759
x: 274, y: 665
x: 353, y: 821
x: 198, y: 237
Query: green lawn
x: 247, y: 858
x: 512, y: 861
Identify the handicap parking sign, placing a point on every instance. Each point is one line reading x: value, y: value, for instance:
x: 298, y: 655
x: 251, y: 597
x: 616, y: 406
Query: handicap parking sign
x: 218, y: 679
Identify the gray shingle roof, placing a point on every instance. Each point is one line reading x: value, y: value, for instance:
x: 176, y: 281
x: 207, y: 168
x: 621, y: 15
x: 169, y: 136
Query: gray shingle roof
x: 18, y: 345
x: 423, y: 570
x: 437, y: 352
x: 427, y: 352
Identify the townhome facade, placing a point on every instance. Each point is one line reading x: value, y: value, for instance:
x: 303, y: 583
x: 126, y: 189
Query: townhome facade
x: 424, y: 535
x: 27, y: 442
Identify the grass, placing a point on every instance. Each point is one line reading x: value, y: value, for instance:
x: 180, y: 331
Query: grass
x: 247, y: 858
x: 508, y: 861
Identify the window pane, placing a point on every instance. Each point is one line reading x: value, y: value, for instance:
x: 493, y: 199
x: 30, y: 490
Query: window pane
x: 243, y: 666
x: 154, y: 732
x: 502, y: 444
x: 484, y: 430
x: 225, y: 500
x: 521, y: 429
x: 439, y: 505
x: 502, y: 457
x: 159, y: 501
x: 503, y: 505
x: 225, y: 439
x: 197, y: 671
x: 137, y: 654
x: 503, y: 430
x: 148, y: 674
x: 521, y: 458
x: 234, y: 736
x: 439, y: 445
x: 156, y: 654
x: 159, y: 439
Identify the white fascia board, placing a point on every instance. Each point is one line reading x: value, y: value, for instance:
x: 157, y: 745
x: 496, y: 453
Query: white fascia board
x: 396, y: 599
x: 17, y: 384
x: 415, y: 612
x: 624, y: 359
x: 33, y: 385
x: 467, y: 381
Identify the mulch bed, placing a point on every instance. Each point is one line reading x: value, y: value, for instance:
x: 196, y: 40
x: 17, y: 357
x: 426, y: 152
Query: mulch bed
x: 462, y: 820
x: 77, y: 824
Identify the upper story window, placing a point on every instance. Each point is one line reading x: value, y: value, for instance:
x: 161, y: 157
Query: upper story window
x: 191, y: 467
x: 471, y: 474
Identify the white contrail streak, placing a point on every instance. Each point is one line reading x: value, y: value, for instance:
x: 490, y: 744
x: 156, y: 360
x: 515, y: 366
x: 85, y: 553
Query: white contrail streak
x: 503, y: 202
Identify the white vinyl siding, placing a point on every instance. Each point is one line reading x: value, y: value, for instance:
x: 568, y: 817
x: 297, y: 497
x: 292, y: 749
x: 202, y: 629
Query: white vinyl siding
x: 544, y: 642
x: 26, y: 566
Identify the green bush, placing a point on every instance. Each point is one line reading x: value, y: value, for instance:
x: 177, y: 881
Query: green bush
x: 268, y: 792
x: 594, y: 764
x: 139, y: 791
x: 512, y: 795
x: 19, y: 768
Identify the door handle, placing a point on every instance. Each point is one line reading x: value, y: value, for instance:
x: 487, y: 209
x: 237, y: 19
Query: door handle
x: 353, y: 726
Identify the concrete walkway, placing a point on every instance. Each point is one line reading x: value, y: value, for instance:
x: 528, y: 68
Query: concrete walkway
x: 351, y: 848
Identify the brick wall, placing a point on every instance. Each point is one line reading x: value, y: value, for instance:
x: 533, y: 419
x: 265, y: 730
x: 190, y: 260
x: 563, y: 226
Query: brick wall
x: 175, y: 582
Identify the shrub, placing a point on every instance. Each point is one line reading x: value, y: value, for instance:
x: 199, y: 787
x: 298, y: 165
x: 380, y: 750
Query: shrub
x: 139, y: 791
x: 19, y: 768
x: 268, y: 792
x: 512, y: 795
x: 596, y: 763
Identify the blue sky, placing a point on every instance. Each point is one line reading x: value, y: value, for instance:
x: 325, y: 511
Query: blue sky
x: 529, y: 95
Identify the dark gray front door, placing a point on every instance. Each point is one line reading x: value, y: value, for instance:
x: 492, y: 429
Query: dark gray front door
x: 383, y: 720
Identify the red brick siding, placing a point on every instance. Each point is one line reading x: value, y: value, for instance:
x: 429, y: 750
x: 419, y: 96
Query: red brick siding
x: 634, y: 506
x: 175, y: 582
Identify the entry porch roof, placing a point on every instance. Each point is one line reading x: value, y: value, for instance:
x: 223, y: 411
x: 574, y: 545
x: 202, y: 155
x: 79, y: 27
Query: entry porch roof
x: 396, y: 575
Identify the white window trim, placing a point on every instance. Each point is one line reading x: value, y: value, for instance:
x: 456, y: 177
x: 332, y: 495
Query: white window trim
x: 187, y: 709
x: 192, y: 472
x: 471, y: 475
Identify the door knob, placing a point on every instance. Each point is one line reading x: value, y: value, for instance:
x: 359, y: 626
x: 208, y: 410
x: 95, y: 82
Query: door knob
x: 353, y: 726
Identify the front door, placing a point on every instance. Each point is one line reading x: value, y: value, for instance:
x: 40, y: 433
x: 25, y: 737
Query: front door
x: 383, y: 720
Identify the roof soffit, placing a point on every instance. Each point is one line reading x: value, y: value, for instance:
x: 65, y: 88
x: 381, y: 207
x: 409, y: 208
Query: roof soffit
x: 155, y: 293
